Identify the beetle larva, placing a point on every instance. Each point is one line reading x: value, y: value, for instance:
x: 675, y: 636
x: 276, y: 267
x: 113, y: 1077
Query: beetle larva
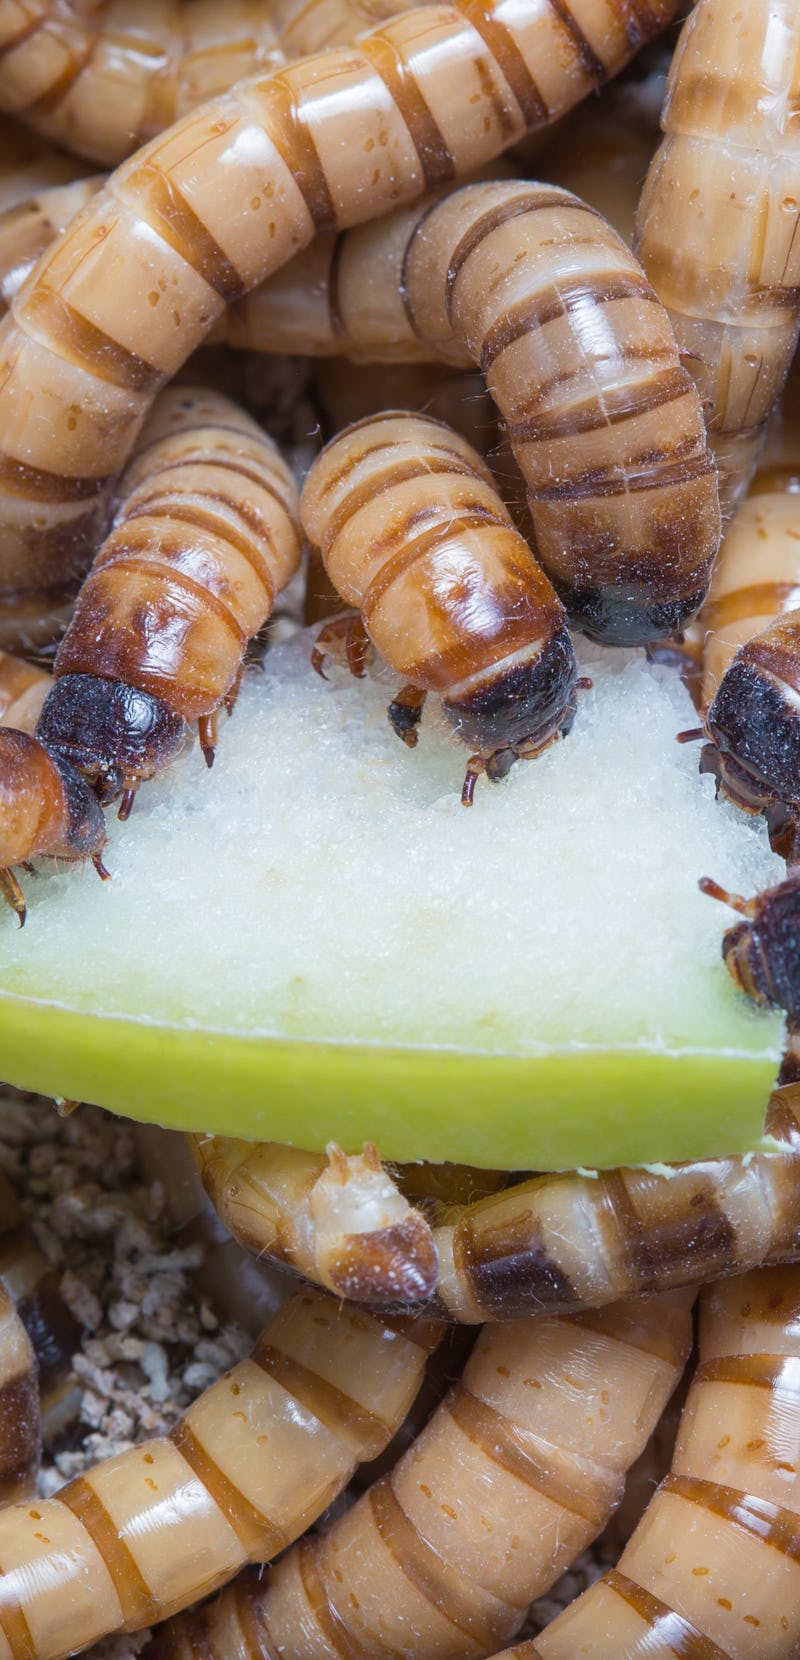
x: 251, y: 1464
x: 339, y: 1220
x: 413, y: 533
x: 19, y: 1406
x: 45, y: 807
x: 23, y: 689
x: 711, y: 1572
x: 29, y: 164
x: 103, y: 79
x: 717, y: 230
x: 516, y: 1472
x: 28, y: 228
x: 580, y: 359
x: 204, y: 537
x: 210, y: 208
x: 28, y: 1279
x: 762, y: 953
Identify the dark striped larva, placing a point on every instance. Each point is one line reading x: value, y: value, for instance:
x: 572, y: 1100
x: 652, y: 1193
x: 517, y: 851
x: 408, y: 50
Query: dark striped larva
x: 205, y: 535
x: 53, y: 1330
x: 341, y: 1221
x: 45, y: 808
x: 763, y: 952
x: 413, y: 533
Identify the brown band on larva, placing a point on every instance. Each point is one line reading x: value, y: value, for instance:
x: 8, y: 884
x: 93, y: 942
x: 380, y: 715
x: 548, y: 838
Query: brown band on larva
x: 105, y: 1554
x: 163, y: 220
x: 684, y: 1639
x: 515, y: 1472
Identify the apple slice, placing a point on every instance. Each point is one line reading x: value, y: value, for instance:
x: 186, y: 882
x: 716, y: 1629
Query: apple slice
x: 316, y: 940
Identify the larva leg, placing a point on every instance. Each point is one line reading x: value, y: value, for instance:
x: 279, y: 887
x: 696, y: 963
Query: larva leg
x: 712, y: 1568
x: 204, y: 537
x: 20, y: 1436
x: 413, y: 532
x: 339, y: 1220
x: 717, y: 228
x: 515, y: 1473
x: 13, y: 896
x: 247, y: 1468
x: 88, y: 347
x: 345, y: 639
x: 405, y: 713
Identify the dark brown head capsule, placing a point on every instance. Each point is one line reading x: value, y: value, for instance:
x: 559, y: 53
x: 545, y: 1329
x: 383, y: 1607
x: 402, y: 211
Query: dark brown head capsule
x: 763, y: 952
x: 115, y: 735
x: 413, y: 533
x: 754, y: 721
x: 45, y: 807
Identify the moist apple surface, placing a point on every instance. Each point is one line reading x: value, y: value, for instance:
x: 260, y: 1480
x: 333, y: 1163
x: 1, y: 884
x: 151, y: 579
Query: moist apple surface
x: 317, y: 939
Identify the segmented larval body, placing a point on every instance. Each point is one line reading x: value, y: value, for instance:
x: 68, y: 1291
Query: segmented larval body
x: 515, y: 1473
x: 23, y: 689
x: 29, y: 164
x: 252, y: 1463
x: 102, y: 77
x: 210, y: 208
x: 45, y: 807
x: 341, y: 1221
x: 579, y: 357
x: 32, y: 1285
x: 568, y: 1241
x: 712, y: 1570
x: 717, y: 229
x: 20, y: 1438
x: 413, y: 533
x: 204, y: 537
x: 28, y: 228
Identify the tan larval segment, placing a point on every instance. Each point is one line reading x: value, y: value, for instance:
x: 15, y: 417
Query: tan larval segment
x: 515, y: 1473
x: 248, y: 1467
x: 338, y: 1220
x: 578, y: 354
x: 205, y: 534
x: 23, y: 689
x: 226, y: 196
x: 717, y: 228
x: 103, y: 79
x: 32, y: 1285
x: 19, y: 1404
x: 712, y: 1572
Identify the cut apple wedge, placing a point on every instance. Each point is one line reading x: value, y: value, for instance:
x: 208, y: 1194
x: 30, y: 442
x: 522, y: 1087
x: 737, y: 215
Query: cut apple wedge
x: 316, y: 940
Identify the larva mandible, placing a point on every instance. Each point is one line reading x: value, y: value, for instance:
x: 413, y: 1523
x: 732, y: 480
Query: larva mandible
x: 20, y: 1430
x: 103, y: 80
x: 30, y: 1282
x: 340, y: 1221
x: 413, y: 534
x: 717, y: 227
x: 45, y: 808
x: 247, y: 1468
x: 204, y: 536
x: 210, y: 208
x: 515, y: 1473
x: 579, y: 357
x: 711, y: 1572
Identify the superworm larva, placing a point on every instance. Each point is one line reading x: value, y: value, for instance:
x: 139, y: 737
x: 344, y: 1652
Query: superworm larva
x: 45, y: 807
x: 711, y: 1572
x: 23, y: 689
x: 717, y: 229
x: 103, y: 79
x: 580, y: 359
x: 339, y: 1220
x: 211, y: 207
x: 32, y: 1285
x: 29, y: 164
x: 204, y: 536
x: 19, y: 1406
x: 514, y: 1474
x: 252, y: 1463
x: 413, y: 533
x: 762, y: 953
x: 28, y: 228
